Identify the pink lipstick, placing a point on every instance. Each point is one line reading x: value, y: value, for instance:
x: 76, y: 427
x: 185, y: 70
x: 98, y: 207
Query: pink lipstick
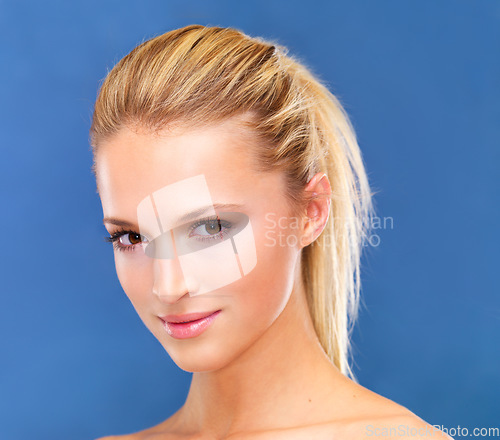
x: 189, y: 325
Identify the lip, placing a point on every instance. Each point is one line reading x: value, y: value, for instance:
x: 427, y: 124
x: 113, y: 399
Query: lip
x: 187, y: 317
x: 189, y: 325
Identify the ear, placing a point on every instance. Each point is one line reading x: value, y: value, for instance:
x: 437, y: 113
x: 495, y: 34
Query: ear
x: 318, y: 209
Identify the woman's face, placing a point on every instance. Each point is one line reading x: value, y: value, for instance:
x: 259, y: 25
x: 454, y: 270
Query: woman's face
x: 130, y: 167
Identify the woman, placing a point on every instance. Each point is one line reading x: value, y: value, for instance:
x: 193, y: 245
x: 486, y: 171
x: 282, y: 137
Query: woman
x: 236, y: 199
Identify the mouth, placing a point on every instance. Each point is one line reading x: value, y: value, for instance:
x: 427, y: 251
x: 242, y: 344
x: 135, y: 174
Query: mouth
x: 188, y: 317
x: 189, y: 325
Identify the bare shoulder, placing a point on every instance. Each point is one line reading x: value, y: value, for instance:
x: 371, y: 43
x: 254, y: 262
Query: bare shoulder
x: 165, y: 430
x: 147, y: 434
x: 403, y: 425
x: 359, y: 414
x: 400, y: 426
x: 118, y: 437
x: 135, y: 436
x: 375, y: 416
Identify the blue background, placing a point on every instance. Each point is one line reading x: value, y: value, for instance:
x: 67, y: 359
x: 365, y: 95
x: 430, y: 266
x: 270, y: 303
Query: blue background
x: 421, y: 82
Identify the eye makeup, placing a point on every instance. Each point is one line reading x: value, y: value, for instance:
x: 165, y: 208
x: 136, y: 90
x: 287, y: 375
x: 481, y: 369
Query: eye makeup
x: 206, y: 229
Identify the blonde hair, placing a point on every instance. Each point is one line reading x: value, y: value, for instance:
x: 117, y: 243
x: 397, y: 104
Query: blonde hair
x: 199, y: 75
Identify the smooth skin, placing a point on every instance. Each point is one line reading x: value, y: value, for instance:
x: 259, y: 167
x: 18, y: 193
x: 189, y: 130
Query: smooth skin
x: 259, y: 372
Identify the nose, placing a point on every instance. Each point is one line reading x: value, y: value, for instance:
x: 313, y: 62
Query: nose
x: 169, y: 284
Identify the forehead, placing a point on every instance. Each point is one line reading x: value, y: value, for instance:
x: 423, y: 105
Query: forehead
x: 131, y: 165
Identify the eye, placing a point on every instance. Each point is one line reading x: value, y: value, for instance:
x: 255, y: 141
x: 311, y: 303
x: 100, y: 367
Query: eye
x: 210, y: 229
x: 123, y: 240
x: 130, y: 239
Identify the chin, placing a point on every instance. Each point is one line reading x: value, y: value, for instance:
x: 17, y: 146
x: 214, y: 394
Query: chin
x: 196, y: 359
x: 197, y: 367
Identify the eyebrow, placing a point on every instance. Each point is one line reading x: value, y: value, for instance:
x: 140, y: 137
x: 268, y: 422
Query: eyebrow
x: 184, y: 218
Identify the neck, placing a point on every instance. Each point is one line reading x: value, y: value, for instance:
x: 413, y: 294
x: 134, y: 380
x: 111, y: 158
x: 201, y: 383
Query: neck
x: 279, y: 378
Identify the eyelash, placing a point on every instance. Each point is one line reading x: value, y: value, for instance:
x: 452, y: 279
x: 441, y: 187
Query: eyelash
x: 114, y: 238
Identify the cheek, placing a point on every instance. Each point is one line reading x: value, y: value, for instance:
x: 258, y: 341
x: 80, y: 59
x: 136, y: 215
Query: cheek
x: 134, y: 273
x: 266, y: 290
